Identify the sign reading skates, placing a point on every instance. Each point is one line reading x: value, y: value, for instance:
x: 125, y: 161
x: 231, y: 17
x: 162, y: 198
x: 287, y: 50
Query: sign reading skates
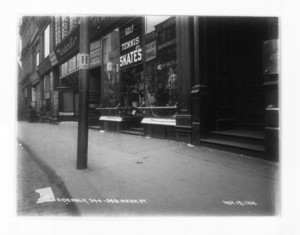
x: 131, y: 43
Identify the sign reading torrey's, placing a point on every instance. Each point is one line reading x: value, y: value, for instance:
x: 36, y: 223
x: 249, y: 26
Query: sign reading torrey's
x: 131, y: 43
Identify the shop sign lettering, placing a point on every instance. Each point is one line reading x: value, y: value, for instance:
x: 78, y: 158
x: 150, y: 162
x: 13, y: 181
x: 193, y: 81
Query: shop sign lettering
x: 68, y: 46
x: 100, y: 24
x: 130, y: 58
x: 53, y: 59
x: 97, y: 22
x: 166, y: 44
x: 131, y: 43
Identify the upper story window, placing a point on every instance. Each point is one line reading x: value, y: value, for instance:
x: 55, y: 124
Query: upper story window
x: 37, y: 58
x: 35, y: 55
x: 47, y: 41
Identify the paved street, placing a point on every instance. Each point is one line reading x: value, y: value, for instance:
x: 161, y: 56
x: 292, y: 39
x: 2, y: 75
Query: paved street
x: 131, y: 175
x: 30, y: 178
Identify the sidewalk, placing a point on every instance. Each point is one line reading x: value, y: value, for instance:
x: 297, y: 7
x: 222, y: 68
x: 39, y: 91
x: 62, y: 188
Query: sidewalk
x: 131, y: 175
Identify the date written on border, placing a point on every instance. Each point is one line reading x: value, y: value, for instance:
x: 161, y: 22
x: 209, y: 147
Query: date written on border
x: 240, y: 203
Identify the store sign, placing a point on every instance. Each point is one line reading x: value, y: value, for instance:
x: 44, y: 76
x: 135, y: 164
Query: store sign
x: 68, y: 46
x: 150, y: 51
x: 44, y: 66
x: 166, y: 43
x: 131, y: 43
x: 64, y: 69
x: 53, y: 59
x: 150, y: 37
x: 82, y: 61
x: 101, y: 24
x: 95, y: 54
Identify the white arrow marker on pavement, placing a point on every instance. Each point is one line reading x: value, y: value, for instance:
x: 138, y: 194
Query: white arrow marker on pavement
x: 46, y: 195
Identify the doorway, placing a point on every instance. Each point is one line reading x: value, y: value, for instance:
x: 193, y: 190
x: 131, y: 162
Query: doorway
x: 235, y: 78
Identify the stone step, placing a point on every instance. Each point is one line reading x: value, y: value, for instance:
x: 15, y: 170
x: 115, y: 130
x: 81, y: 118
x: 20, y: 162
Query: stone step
x: 248, y: 149
x: 141, y: 129
x: 241, y: 136
x: 133, y: 131
x: 250, y: 126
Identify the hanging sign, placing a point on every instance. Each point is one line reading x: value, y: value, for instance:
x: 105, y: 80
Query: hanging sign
x: 131, y: 43
x: 53, y: 59
x: 44, y: 66
x: 95, y: 54
x: 68, y: 46
x: 101, y: 24
x: 150, y: 51
x: 166, y: 43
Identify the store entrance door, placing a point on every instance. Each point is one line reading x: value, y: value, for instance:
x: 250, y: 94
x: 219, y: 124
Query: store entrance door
x: 237, y: 84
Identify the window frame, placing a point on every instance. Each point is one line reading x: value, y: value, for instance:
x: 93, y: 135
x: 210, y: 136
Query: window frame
x: 46, y: 35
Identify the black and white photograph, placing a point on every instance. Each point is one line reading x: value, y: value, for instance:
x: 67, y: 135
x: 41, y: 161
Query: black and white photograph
x: 150, y: 116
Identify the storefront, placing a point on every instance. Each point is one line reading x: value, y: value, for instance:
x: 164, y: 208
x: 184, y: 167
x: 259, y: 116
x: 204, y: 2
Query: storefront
x: 26, y: 107
x: 233, y: 91
x: 161, y: 91
x: 122, y: 74
x: 43, y: 90
x: 209, y: 81
x: 35, y: 95
x: 139, y: 83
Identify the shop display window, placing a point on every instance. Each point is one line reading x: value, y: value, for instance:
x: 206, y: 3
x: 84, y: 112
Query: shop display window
x: 47, y: 41
x: 148, y: 86
x: 111, y: 74
x: 131, y: 64
x: 160, y: 68
x: 133, y: 87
